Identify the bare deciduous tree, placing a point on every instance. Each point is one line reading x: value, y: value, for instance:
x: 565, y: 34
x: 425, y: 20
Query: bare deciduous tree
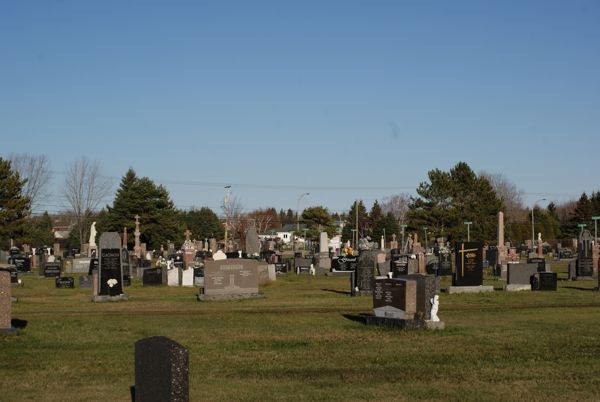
x: 510, y: 195
x: 85, y: 187
x: 397, y: 204
x: 232, y: 209
x: 36, y: 169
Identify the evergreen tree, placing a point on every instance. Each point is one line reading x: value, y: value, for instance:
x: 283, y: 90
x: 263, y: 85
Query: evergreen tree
x: 351, y: 221
x: 318, y: 219
x: 203, y: 223
x: 39, y: 231
x: 14, y: 206
x: 141, y: 196
x: 375, y: 215
x: 581, y: 215
x: 449, y: 199
x: 387, y: 222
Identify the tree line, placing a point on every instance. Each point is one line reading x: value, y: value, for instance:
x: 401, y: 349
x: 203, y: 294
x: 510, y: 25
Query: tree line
x: 440, y: 208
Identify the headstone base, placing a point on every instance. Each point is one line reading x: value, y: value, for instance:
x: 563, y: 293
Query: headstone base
x: 203, y: 297
x: 584, y: 278
x: 516, y: 288
x: 470, y: 289
x: 404, y: 324
x: 8, y: 331
x: 104, y: 299
x: 338, y: 273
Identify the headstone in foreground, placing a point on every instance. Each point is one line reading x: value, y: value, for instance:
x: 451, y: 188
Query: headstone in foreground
x: 110, y: 273
x: 395, y: 298
x: 544, y: 281
x: 230, y: 279
x: 469, y: 264
x: 5, y: 303
x: 161, y: 370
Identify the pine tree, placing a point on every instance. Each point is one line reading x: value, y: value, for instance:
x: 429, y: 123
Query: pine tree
x: 203, y: 223
x: 351, y: 221
x: 14, y: 206
x: 141, y: 196
x: 450, y: 199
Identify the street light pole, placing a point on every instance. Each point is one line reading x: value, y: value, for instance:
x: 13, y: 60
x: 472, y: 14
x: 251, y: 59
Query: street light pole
x: 532, y: 223
x: 227, y: 212
x: 297, y: 211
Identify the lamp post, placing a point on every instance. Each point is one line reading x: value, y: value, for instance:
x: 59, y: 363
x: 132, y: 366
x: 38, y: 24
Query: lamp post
x: 532, y: 223
x: 226, y: 209
x: 468, y: 223
x: 595, y: 219
x: 353, y: 241
x: 304, y: 246
x: 297, y: 217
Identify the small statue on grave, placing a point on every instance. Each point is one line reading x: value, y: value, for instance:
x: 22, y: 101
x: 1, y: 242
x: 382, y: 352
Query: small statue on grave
x: 92, y: 241
x: 435, y: 305
x: 539, y: 239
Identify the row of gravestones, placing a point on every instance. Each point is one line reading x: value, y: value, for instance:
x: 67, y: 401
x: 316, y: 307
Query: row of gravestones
x: 468, y: 269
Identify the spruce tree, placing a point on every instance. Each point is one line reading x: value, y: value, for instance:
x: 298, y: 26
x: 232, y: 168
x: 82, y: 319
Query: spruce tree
x: 14, y: 206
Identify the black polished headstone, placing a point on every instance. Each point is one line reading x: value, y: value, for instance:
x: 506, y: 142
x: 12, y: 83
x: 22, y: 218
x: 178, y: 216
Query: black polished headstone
x: 389, y: 292
x: 344, y: 263
x: 65, y: 282
x: 469, y: 264
x: 23, y: 263
x: 399, y: 265
x: 110, y: 273
x: 52, y: 269
x: 161, y: 370
x: 281, y: 267
x: 152, y: 276
x: 541, y: 262
x: 544, y: 281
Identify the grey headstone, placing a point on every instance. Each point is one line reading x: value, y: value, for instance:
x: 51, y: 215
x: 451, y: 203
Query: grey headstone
x: 427, y: 287
x: 252, y: 241
x: 520, y: 274
x: 236, y: 278
x: 161, y: 371
x: 5, y: 301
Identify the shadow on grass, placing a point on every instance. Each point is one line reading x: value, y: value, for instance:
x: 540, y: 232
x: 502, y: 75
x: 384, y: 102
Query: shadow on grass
x: 19, y: 324
x: 361, y: 318
x: 342, y: 292
x: 579, y: 288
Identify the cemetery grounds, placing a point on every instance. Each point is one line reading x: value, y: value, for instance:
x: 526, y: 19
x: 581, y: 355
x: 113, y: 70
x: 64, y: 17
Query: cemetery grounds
x: 305, y: 340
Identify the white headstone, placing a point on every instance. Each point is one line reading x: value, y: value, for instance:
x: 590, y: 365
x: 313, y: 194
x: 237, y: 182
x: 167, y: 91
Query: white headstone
x: 173, y: 277
x: 187, y: 277
x: 219, y: 255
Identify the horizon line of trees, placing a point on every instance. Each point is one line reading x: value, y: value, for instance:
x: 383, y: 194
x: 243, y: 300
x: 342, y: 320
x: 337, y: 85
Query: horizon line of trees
x: 442, y: 204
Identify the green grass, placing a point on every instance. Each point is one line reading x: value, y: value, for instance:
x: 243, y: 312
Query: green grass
x: 297, y: 343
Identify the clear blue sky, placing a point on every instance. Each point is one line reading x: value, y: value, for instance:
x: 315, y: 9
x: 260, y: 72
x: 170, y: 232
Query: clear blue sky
x: 342, y: 99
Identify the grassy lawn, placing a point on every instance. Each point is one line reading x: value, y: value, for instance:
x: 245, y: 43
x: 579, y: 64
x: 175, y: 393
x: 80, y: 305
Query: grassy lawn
x: 300, y: 342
